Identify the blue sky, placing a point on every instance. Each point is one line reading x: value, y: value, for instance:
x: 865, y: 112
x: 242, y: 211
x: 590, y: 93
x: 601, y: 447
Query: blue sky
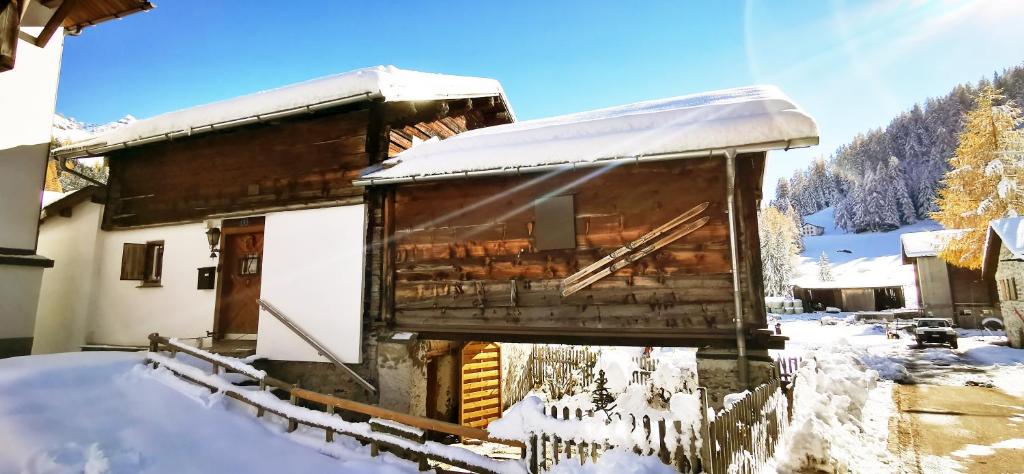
x: 852, y: 65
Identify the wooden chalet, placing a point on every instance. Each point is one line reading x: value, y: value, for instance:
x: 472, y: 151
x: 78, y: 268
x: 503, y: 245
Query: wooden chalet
x: 945, y: 290
x: 210, y: 209
x: 488, y: 234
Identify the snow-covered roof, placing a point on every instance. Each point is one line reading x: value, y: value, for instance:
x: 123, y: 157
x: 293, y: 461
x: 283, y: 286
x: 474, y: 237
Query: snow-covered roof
x: 1010, y: 232
x: 925, y: 244
x: 382, y: 82
x: 757, y: 118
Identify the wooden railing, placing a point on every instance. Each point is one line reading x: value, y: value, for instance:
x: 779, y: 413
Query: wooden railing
x: 380, y: 435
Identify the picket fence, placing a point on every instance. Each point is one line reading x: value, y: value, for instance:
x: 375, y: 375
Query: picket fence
x: 741, y: 438
x: 563, y: 370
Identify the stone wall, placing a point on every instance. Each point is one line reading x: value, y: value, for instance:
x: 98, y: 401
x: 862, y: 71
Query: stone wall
x: 1012, y: 310
x: 718, y: 372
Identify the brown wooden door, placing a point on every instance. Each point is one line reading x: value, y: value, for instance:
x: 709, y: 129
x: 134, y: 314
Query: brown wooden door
x: 481, y: 384
x: 241, y: 269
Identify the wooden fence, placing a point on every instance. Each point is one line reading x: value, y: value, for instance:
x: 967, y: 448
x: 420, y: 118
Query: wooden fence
x: 399, y: 433
x: 741, y: 438
x: 562, y: 370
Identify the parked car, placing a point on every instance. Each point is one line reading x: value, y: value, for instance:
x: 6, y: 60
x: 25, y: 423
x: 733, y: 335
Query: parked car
x: 935, y: 331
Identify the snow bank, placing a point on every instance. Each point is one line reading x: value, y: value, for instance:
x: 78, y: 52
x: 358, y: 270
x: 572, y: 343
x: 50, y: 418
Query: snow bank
x: 754, y: 116
x: 615, y: 461
x: 829, y: 431
x: 83, y: 411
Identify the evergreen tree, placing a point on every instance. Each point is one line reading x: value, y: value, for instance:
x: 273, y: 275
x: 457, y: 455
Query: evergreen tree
x: 782, y: 201
x: 898, y: 195
x: 824, y: 268
x: 778, y: 251
x: 798, y: 222
x: 986, y: 178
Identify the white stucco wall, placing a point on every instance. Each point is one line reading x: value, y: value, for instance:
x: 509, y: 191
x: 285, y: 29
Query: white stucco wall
x: 122, y: 313
x: 67, y: 289
x: 18, y: 297
x: 313, y: 273
x: 28, y: 95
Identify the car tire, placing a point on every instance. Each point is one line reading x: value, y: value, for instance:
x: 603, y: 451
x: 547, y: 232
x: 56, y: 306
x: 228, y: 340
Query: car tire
x: 953, y: 343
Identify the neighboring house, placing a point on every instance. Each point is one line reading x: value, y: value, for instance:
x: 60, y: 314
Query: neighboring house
x: 1004, y: 268
x: 31, y: 42
x: 268, y: 177
x: 808, y: 229
x: 846, y: 296
x: 944, y: 290
x: 489, y: 229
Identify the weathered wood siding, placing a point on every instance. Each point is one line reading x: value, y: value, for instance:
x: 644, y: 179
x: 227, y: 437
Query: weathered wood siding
x: 294, y: 162
x: 464, y: 260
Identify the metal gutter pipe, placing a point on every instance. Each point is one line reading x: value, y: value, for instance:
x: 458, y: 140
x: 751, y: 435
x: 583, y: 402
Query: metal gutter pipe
x: 62, y: 162
x: 737, y: 294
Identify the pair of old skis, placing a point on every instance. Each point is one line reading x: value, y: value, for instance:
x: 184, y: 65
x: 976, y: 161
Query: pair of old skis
x: 635, y: 250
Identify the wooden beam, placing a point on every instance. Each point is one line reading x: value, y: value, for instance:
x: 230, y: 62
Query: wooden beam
x: 55, y: 22
x: 10, y: 25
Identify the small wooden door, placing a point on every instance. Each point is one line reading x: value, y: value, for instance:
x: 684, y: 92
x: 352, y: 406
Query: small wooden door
x: 241, y: 266
x: 480, y: 393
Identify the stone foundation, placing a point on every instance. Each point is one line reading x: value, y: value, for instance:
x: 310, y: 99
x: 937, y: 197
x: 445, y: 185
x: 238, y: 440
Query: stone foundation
x: 719, y: 371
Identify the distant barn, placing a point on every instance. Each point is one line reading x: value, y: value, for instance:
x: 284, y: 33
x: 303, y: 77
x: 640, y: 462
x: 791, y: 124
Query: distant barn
x: 944, y: 290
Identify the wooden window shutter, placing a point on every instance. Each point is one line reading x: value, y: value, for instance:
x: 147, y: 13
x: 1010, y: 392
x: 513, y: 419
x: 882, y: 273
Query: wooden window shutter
x: 555, y: 223
x: 133, y: 262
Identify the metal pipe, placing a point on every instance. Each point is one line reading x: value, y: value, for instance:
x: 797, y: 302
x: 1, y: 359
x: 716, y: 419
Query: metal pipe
x: 63, y: 163
x: 706, y: 153
x: 734, y: 260
x: 288, y: 323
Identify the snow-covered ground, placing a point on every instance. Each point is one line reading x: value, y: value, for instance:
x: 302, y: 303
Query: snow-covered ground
x: 869, y: 258
x: 844, y: 389
x: 100, y: 412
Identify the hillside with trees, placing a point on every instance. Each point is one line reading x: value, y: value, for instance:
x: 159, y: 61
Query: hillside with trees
x: 891, y: 176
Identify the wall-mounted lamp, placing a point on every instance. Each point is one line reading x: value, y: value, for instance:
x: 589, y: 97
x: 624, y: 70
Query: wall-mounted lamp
x: 213, y: 237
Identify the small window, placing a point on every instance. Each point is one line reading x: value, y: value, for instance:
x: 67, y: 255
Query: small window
x: 143, y: 262
x: 1009, y: 288
x: 250, y: 265
x: 555, y: 223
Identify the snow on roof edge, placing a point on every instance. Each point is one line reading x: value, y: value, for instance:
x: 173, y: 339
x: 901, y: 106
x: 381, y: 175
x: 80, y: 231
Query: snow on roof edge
x: 747, y: 119
x: 1010, y: 231
x: 924, y: 244
x: 385, y: 82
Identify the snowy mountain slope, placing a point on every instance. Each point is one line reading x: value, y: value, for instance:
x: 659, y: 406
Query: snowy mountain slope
x: 865, y: 259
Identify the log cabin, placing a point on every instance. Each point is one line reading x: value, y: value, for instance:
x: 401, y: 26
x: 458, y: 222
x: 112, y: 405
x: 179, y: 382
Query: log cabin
x: 209, y: 210
x: 633, y: 225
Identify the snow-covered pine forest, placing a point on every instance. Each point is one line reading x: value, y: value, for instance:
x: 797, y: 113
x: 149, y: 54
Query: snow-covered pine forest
x: 890, y: 177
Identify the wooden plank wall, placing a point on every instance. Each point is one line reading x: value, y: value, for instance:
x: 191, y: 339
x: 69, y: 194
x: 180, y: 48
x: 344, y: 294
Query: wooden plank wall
x: 480, y: 384
x: 265, y: 166
x: 462, y: 246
